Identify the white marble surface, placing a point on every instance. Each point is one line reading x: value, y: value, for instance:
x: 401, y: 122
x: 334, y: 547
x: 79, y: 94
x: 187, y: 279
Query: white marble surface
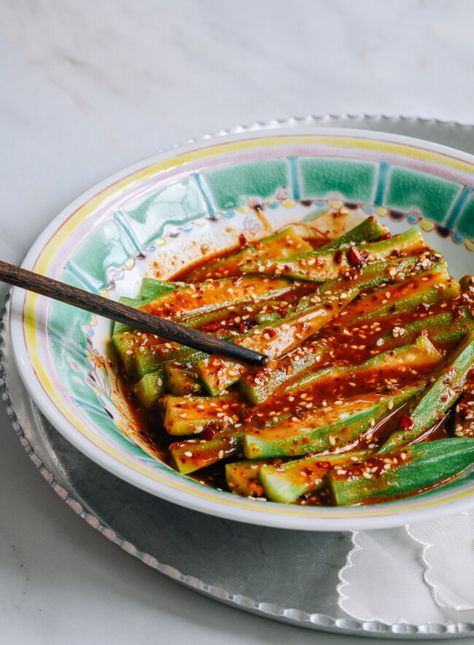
x: 89, y: 86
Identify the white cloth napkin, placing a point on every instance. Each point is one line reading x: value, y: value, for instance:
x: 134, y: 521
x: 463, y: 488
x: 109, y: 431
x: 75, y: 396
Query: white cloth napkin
x: 448, y: 558
x: 417, y: 574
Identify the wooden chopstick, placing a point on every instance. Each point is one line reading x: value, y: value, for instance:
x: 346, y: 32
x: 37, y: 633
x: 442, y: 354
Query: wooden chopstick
x: 135, y: 318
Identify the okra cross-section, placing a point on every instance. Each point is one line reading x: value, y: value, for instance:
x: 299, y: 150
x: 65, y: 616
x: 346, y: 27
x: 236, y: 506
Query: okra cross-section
x: 149, y: 389
x: 180, y: 379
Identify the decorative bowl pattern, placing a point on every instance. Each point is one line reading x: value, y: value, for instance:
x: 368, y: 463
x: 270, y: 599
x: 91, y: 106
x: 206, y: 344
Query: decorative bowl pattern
x: 167, y: 211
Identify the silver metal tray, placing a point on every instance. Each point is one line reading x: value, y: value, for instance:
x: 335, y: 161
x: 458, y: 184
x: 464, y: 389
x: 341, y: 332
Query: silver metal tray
x: 290, y: 576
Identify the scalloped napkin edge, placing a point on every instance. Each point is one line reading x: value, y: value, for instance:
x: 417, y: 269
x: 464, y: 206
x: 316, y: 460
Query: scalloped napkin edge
x: 448, y: 558
x: 416, y: 574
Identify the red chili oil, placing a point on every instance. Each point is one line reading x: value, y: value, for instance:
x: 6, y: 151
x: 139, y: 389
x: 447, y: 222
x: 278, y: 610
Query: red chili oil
x: 348, y: 343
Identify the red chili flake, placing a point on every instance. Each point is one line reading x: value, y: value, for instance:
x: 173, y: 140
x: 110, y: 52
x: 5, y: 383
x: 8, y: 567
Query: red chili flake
x: 338, y: 256
x: 423, y: 307
x: 243, y: 240
x: 322, y: 464
x: 212, y: 326
x: 271, y: 332
x: 305, y: 440
x: 210, y: 431
x: 407, y: 422
x: 457, y: 309
x: 355, y: 257
x: 298, y: 411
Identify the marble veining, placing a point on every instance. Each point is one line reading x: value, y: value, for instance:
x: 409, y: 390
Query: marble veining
x: 89, y: 87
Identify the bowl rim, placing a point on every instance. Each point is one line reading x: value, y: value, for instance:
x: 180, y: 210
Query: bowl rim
x: 250, y: 510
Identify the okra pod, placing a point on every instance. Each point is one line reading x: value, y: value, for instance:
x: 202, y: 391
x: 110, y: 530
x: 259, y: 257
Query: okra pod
x: 288, y: 481
x: 440, y: 328
x: 186, y: 415
x: 234, y: 316
x: 373, y: 275
x: 152, y: 288
x: 219, y: 373
x: 324, y: 428
x: 283, y: 243
x: 464, y: 415
x: 259, y: 386
x: 180, y: 379
x: 448, y: 381
x: 369, y: 230
x: 390, y: 302
x: 204, y: 297
x: 243, y: 477
x: 194, y: 454
x: 407, y: 470
x: 421, y: 354
x: 319, y: 266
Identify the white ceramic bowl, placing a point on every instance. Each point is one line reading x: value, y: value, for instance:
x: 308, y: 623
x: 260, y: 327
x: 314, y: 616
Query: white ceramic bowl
x: 166, y: 211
